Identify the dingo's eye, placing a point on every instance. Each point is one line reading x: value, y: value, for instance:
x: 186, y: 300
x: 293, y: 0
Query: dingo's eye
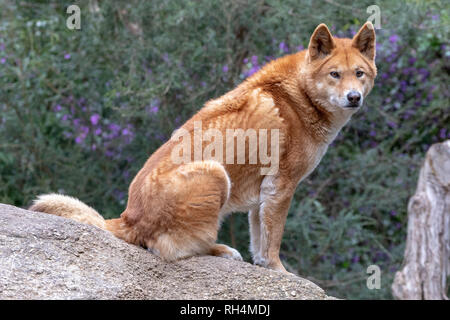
x: 359, y: 73
x: 334, y: 74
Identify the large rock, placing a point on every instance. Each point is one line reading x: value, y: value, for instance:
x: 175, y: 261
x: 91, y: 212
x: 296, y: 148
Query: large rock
x: 49, y: 257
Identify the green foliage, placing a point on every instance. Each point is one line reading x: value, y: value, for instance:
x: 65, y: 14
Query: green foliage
x: 80, y: 112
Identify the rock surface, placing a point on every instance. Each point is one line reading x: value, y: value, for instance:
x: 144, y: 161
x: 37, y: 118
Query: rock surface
x: 49, y: 257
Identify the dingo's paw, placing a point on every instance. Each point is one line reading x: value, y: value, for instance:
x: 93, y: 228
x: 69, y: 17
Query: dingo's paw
x: 224, y: 251
x: 233, y: 254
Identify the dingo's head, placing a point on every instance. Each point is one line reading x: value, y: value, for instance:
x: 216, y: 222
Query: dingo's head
x: 340, y: 72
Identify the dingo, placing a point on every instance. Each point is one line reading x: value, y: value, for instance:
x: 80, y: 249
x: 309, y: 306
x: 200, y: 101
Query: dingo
x: 174, y: 209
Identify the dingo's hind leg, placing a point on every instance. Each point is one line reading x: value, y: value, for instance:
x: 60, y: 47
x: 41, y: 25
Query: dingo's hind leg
x: 196, y: 192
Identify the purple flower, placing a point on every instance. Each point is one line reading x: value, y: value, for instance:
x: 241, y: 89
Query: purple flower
x: 284, y: 47
x: 98, y: 131
x: 394, y: 38
x: 68, y: 135
x: 409, y: 113
x: 119, y: 195
x: 79, y: 139
x: 95, y: 118
x: 407, y: 71
x: 442, y: 133
x: 300, y: 48
x: 403, y: 85
x: 245, y: 60
x: 57, y: 108
x: 355, y: 259
x: 225, y: 68
x: 67, y: 56
x: 392, y: 68
x: 109, y: 153
x: 154, y: 105
x: 393, y: 213
x: 160, y: 137
x: 424, y: 73
x: 128, y: 134
x: 252, y: 71
x: 254, y: 60
x: 392, y: 124
x: 115, y: 128
x: 84, y: 130
x: 379, y: 255
x: 2, y: 60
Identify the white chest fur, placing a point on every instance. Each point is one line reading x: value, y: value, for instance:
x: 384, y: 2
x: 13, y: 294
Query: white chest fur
x: 315, y: 154
x: 315, y: 159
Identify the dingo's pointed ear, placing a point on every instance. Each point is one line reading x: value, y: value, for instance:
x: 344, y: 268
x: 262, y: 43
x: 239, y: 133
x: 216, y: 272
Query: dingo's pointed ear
x: 321, y: 43
x: 364, y: 40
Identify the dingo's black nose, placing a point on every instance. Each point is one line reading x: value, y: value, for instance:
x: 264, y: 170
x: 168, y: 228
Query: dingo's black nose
x: 354, y: 97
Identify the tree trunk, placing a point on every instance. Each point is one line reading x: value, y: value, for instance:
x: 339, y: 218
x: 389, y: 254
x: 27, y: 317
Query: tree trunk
x: 426, y: 264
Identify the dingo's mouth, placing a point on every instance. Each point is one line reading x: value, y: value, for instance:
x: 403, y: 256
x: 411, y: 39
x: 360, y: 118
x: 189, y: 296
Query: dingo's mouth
x: 353, y: 106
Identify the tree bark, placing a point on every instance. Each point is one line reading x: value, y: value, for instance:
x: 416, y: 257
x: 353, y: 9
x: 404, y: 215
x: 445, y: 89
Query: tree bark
x: 426, y: 264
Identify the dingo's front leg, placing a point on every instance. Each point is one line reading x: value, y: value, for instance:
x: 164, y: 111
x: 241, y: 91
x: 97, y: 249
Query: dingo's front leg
x: 274, y: 205
x: 254, y: 222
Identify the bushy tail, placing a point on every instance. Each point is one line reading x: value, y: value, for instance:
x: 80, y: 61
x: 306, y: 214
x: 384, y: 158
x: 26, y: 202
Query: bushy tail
x: 68, y: 207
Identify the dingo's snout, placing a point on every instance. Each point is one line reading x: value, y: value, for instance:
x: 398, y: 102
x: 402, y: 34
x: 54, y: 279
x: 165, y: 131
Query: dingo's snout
x: 354, y: 99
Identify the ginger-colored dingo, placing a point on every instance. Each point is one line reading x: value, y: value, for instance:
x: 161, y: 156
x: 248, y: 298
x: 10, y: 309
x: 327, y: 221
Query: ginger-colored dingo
x: 291, y: 110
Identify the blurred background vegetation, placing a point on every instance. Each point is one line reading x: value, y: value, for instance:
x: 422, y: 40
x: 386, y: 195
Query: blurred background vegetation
x: 80, y: 112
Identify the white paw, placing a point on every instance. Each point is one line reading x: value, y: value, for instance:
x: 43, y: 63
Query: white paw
x: 232, y: 254
x: 259, y: 260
